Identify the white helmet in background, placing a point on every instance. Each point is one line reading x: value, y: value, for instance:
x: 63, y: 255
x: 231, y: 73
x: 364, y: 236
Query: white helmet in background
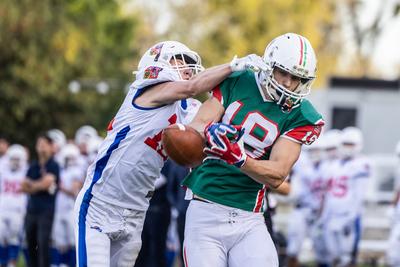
x: 292, y: 53
x: 58, y: 138
x: 17, y: 151
x: 332, y: 143
x: 84, y: 134
x: 315, y: 151
x: 162, y: 53
x: 352, y: 141
x: 17, y: 156
x: 69, y: 155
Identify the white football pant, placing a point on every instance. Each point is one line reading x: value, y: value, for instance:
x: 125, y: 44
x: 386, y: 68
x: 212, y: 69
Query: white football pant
x: 340, y: 239
x: 11, y: 227
x: 392, y: 253
x: 63, y: 236
x: 221, y: 236
x: 106, y: 235
x: 299, y: 227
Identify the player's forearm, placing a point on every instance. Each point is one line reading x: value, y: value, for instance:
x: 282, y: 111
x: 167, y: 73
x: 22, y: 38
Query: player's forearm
x: 209, y: 79
x: 210, y: 111
x: 265, y: 171
x: 283, y: 189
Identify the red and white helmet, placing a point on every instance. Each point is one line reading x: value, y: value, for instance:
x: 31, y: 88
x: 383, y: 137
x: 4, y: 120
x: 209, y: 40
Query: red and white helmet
x: 293, y: 53
x: 162, y: 53
x: 352, y: 141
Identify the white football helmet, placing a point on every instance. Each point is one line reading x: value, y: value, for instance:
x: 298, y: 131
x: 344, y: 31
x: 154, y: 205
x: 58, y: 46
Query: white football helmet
x: 17, y: 156
x: 315, y: 151
x: 292, y: 53
x: 58, y: 138
x: 84, y: 134
x: 332, y: 143
x: 352, y: 141
x: 69, y: 155
x: 17, y: 151
x: 163, y: 53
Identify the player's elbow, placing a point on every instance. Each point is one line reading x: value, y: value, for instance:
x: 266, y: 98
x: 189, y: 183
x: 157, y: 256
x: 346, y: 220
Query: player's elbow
x: 193, y: 88
x: 277, y: 180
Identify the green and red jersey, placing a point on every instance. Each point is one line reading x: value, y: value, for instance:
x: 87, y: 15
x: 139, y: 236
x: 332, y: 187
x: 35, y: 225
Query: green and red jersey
x: 264, y: 123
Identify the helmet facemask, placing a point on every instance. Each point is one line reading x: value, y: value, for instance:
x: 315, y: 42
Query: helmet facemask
x: 284, y: 97
x: 186, y: 64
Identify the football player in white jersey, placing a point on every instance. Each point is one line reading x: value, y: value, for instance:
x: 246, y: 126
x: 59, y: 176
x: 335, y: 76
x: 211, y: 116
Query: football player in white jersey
x: 71, y: 181
x: 59, y: 141
x: 392, y: 253
x: 111, y: 207
x: 12, y: 203
x: 343, y: 203
x: 87, y: 140
x: 308, y: 188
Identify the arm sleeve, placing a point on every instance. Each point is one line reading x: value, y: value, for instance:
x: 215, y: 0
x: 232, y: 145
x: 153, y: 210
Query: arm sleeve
x: 305, y: 124
x: 306, y: 134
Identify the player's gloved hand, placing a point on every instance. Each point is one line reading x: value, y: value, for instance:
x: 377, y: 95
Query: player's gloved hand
x: 251, y: 62
x: 214, y: 132
x: 231, y: 150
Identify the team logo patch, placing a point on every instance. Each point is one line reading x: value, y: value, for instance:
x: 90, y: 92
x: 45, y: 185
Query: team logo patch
x: 152, y: 72
x: 156, y: 50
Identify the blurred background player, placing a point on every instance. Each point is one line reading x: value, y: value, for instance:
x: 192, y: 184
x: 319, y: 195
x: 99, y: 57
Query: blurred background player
x: 40, y: 184
x: 343, y: 202
x: 12, y: 203
x: 110, y: 209
x: 392, y: 253
x: 71, y: 181
x: 224, y: 223
x: 308, y: 189
x: 88, y: 141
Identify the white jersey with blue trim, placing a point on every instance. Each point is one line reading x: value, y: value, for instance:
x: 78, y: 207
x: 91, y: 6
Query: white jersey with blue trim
x: 347, y: 185
x: 68, y: 176
x: 11, y: 197
x: 131, y: 156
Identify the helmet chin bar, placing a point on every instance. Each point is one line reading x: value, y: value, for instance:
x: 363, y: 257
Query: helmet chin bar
x: 285, y: 98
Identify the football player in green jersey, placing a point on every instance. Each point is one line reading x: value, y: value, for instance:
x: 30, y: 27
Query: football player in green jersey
x: 254, y: 124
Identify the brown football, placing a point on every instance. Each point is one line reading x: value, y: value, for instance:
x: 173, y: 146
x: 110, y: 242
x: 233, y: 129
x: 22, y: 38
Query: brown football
x: 184, y: 145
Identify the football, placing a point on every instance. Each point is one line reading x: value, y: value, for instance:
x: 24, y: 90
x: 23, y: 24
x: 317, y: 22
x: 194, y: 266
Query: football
x: 184, y: 145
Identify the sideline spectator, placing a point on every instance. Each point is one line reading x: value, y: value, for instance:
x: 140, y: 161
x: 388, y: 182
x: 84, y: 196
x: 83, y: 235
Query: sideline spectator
x: 41, y: 186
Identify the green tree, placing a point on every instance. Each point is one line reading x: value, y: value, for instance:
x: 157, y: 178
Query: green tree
x: 219, y: 29
x: 46, y: 44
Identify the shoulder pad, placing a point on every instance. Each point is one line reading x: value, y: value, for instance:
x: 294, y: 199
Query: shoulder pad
x: 310, y: 114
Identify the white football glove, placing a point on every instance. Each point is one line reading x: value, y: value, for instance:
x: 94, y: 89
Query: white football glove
x: 250, y: 62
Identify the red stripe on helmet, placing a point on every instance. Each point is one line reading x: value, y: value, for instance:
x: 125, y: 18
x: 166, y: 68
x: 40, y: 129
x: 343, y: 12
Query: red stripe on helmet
x: 301, y: 51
